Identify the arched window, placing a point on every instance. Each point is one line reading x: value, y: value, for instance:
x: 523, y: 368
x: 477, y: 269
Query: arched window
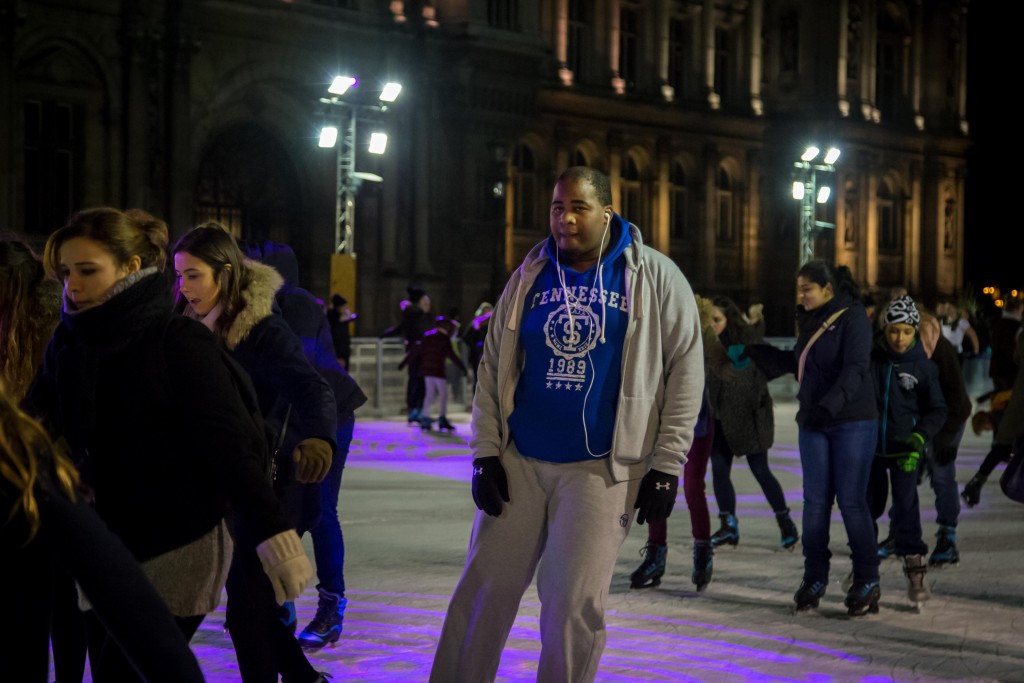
x: 629, y: 43
x: 503, y: 14
x: 679, y: 228
x: 53, y: 143
x: 579, y: 157
x: 525, y: 190
x: 890, y: 233
x: 890, y: 59
x: 578, y: 39
x: 633, y: 197
x: 725, y: 232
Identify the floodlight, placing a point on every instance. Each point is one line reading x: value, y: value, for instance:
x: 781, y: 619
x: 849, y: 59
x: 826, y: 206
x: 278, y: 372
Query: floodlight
x: 823, y: 193
x: 390, y: 92
x: 810, y: 153
x: 798, y: 189
x: 831, y: 155
x: 342, y: 83
x: 378, y: 143
x: 328, y: 136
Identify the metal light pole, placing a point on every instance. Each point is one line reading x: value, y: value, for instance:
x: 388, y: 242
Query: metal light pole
x: 344, y: 136
x: 807, y: 191
x: 348, y: 179
x: 344, y: 210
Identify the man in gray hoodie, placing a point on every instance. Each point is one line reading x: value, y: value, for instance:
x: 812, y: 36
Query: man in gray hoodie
x: 587, y: 396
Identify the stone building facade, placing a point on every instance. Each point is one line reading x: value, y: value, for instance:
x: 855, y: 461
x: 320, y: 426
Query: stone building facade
x: 697, y: 109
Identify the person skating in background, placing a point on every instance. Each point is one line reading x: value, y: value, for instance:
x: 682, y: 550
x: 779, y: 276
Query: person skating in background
x: 304, y: 315
x: 744, y: 420
x: 911, y: 412
x: 1002, y: 368
x: 475, y: 334
x: 415, y: 320
x: 1007, y: 423
x: 940, y: 459
x: 588, y: 392
x: 837, y: 423
x: 339, y: 318
x: 956, y: 327
x: 234, y: 297
x: 430, y: 353
x: 655, y: 550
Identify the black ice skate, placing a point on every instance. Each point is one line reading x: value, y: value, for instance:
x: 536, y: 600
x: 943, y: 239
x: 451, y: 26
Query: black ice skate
x: 809, y: 594
x: 702, y: 564
x: 444, y: 424
x: 863, y: 598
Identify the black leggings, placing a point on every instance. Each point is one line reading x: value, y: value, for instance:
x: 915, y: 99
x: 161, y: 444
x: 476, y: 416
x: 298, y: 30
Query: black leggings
x: 721, y: 472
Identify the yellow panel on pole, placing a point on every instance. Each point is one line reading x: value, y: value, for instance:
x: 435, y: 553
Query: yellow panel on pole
x: 343, y: 278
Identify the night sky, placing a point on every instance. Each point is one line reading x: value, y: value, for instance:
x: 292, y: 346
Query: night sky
x: 992, y: 254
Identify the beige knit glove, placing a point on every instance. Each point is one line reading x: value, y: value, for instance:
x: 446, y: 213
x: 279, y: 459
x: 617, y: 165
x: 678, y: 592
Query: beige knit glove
x: 285, y: 562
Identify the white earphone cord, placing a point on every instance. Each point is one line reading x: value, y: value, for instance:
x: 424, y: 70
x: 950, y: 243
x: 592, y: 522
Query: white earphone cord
x: 572, y: 326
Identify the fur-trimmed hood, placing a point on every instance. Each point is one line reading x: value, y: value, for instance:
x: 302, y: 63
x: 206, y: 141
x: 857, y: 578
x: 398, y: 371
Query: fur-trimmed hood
x: 258, y: 295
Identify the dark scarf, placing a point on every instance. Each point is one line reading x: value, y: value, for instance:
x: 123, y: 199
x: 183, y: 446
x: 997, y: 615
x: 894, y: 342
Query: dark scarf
x: 85, y: 338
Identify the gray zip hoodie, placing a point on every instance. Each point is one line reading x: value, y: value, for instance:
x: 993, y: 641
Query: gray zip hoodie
x: 662, y: 365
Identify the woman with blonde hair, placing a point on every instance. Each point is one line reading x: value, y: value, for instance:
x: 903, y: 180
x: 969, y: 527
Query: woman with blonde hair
x: 163, y: 454
x: 29, y: 312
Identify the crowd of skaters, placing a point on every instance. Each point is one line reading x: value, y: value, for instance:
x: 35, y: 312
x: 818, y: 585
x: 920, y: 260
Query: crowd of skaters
x: 228, y: 412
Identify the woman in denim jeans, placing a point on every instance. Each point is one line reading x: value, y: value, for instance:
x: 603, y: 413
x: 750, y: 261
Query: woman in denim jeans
x: 838, y: 425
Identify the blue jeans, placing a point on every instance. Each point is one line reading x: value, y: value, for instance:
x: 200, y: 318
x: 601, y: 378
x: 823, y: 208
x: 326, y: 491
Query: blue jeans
x: 836, y: 464
x: 943, y: 480
x: 905, y: 510
x: 328, y: 542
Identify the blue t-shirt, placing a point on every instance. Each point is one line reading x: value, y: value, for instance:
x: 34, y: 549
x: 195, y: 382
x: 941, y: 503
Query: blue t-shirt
x: 568, y: 391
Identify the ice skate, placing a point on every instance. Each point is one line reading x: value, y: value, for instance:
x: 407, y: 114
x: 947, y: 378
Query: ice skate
x: 650, y: 571
x: 787, y: 529
x: 444, y: 424
x: 325, y: 629
x: 729, y: 533
x: 914, y: 568
x: 809, y: 594
x: 702, y: 564
x: 862, y: 598
x: 426, y: 424
x: 945, y: 553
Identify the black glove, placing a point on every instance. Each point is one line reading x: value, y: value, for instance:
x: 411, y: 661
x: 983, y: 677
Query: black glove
x: 657, y: 497
x: 817, y: 419
x: 490, y: 485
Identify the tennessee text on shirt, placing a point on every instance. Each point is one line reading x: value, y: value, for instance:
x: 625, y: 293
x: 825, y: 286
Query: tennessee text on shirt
x: 581, y: 294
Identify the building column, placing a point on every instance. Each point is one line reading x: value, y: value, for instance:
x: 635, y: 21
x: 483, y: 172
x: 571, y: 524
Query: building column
x: 661, y: 230
x: 708, y: 29
x: 917, y: 30
x: 756, y: 17
x: 844, y: 58
x: 562, y: 42
x: 662, y: 20
x: 618, y: 83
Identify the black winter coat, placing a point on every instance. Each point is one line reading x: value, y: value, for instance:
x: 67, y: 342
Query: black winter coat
x: 263, y: 343
x: 164, y: 451
x: 908, y: 395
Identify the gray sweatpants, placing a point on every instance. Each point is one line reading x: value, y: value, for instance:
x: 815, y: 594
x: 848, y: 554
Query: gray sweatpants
x: 577, y: 518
